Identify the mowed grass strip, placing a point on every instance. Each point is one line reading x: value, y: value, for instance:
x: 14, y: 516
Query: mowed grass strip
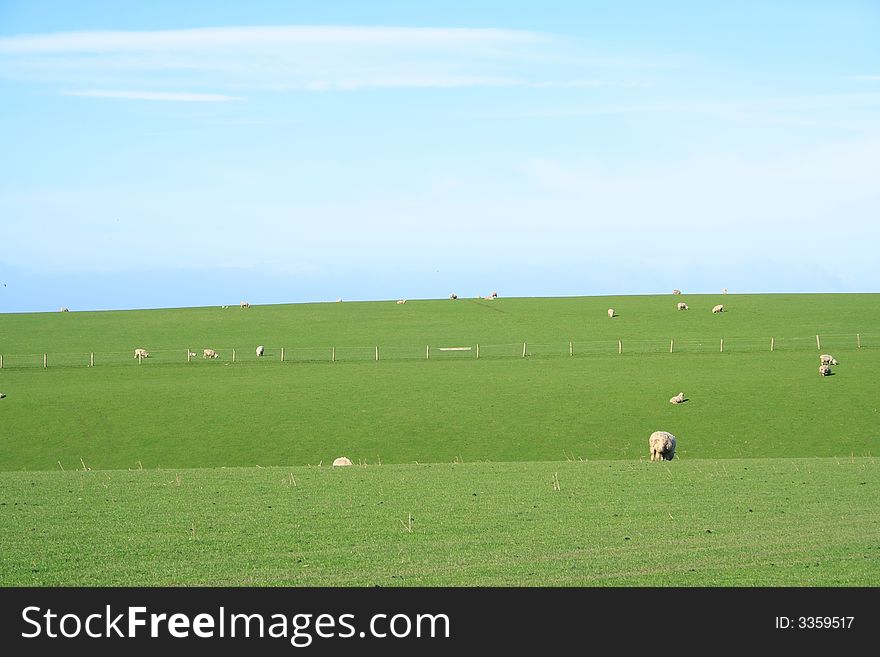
x: 699, y: 522
x: 739, y: 405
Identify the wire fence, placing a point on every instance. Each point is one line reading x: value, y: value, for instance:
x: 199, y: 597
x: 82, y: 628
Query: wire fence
x: 560, y: 349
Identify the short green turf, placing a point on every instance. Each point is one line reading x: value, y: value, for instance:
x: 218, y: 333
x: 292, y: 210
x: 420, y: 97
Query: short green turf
x: 698, y: 522
x: 207, y: 472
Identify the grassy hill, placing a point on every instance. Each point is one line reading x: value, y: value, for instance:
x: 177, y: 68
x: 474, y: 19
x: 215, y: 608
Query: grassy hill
x: 169, y: 472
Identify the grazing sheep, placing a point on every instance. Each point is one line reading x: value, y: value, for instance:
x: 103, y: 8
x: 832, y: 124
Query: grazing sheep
x: 719, y: 308
x: 611, y: 312
x: 2, y: 395
x: 342, y: 460
x: 724, y: 291
x: 401, y: 302
x: 824, y: 370
x: 338, y: 299
x: 260, y: 351
x: 682, y: 306
x: 827, y: 359
x: 453, y: 296
x: 64, y: 309
x: 662, y: 445
x: 210, y: 353
x: 244, y: 304
x: 678, y: 399
x: 141, y: 353
x: 676, y: 291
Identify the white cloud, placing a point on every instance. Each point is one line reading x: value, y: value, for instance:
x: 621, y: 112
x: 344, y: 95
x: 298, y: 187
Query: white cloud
x: 302, y: 58
x: 203, y: 39
x: 155, y: 95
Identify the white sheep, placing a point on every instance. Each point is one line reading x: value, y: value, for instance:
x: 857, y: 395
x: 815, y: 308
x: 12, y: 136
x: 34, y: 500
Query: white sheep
x: 244, y: 304
x: 453, y: 296
x: 611, y: 312
x: 662, y: 445
x: 341, y: 461
x: 210, y: 353
x: 827, y: 359
x: 719, y: 308
x: 678, y: 399
x: 141, y: 353
x: 724, y: 291
x: 676, y: 291
x: 260, y: 351
x: 190, y: 354
x: 400, y: 302
x: 64, y: 309
x: 682, y: 306
x: 824, y: 370
x: 2, y: 395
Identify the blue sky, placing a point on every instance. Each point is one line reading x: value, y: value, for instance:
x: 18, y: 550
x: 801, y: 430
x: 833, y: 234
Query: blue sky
x: 197, y: 153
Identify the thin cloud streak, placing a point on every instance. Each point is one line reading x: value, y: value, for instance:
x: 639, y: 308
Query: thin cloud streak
x: 186, y: 97
x: 238, y: 37
x: 306, y: 58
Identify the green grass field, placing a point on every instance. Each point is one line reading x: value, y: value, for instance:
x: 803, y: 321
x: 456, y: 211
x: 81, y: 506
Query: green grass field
x: 190, y: 465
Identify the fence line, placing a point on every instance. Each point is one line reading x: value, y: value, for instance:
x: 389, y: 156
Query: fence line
x: 449, y: 351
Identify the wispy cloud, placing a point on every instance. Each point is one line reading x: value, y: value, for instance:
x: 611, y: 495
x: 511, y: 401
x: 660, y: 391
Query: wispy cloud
x: 238, y: 37
x: 304, y: 58
x: 865, y: 78
x: 186, y: 97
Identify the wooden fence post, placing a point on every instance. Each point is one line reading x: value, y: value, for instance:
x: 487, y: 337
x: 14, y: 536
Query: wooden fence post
x: 92, y: 359
x: 671, y: 342
x: 570, y: 348
x: 188, y: 355
x: 45, y: 361
x: 818, y: 345
x: 282, y: 354
x: 524, y: 350
x: 772, y: 343
x: 1, y: 361
x: 478, y: 350
x: 333, y: 354
x: 858, y: 342
x: 722, y: 345
x: 620, y: 346
x: 428, y: 352
x: 377, y: 353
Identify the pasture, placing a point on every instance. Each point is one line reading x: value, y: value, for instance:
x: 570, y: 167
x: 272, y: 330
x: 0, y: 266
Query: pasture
x: 169, y: 472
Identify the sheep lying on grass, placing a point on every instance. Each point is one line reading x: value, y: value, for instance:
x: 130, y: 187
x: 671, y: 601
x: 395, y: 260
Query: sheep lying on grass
x: 824, y: 370
x: 210, y: 353
x: 341, y: 461
x: 662, y: 445
x: 678, y: 399
x: 682, y: 306
x: 827, y: 359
